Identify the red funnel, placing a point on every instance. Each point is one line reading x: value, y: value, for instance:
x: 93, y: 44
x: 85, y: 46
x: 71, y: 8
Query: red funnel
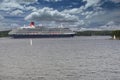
x: 32, y: 24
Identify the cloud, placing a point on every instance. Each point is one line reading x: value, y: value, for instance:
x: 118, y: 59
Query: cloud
x: 98, y: 18
x: 82, y: 13
x: 91, y: 14
x: 31, y: 8
x: 52, y: 0
x: 1, y: 17
x: 14, y: 25
x: 16, y: 12
x: 86, y: 17
x: 10, y: 5
x: 11, y: 8
x: 74, y: 11
x: 48, y: 14
x: 91, y: 3
x: 21, y: 1
x: 111, y: 25
x: 80, y: 23
x: 115, y: 1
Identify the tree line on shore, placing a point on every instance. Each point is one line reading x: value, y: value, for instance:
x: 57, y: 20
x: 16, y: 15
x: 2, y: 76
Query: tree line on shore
x: 112, y: 33
x: 116, y: 34
x: 4, y: 33
x: 93, y: 33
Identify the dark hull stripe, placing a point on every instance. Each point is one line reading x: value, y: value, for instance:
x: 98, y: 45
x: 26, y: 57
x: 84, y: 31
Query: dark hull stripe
x: 41, y: 36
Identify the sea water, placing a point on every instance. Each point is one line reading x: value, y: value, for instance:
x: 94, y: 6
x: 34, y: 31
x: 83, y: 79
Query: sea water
x: 76, y: 58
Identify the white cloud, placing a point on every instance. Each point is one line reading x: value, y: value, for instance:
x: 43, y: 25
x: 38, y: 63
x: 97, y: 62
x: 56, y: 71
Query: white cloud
x: 84, y: 14
x: 89, y: 29
x: 107, y: 16
x: 111, y: 25
x: 116, y: 1
x: 52, y: 0
x: 48, y: 14
x: 27, y: 2
x: 74, y: 11
x: 91, y: 3
x: 1, y: 17
x: 30, y: 8
x: 21, y: 1
x: 86, y: 17
x: 91, y: 14
x: 14, y: 25
x: 80, y: 23
x: 10, y: 5
x: 16, y: 12
x: 75, y: 16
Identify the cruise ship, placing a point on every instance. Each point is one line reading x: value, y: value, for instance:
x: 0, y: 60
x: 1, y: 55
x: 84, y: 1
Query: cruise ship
x: 33, y: 31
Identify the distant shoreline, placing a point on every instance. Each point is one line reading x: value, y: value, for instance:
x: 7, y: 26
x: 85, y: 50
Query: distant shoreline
x: 4, y: 33
x: 79, y: 33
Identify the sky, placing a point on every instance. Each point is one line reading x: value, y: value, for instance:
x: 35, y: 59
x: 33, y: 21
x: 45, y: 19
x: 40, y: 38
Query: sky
x: 83, y: 14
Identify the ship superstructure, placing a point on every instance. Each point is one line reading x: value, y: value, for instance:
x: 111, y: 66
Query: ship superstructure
x: 33, y: 31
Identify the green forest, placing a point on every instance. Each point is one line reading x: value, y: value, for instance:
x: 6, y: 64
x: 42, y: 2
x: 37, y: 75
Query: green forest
x: 116, y: 33
x: 94, y: 33
x: 4, y: 33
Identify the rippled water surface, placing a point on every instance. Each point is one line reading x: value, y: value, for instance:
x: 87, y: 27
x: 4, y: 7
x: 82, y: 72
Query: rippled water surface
x: 77, y: 58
